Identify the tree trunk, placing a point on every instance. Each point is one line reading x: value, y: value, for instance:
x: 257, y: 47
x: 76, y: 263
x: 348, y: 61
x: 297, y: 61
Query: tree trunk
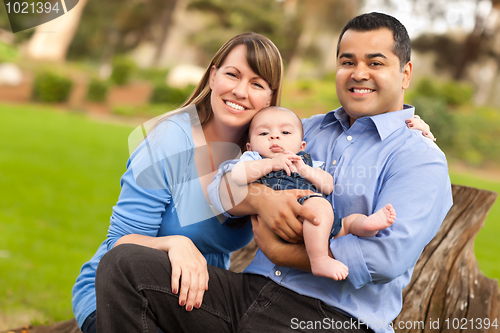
x: 52, y: 39
x: 447, y: 286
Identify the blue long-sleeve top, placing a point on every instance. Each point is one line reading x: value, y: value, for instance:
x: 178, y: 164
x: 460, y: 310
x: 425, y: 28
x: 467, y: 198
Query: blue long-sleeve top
x: 374, y: 162
x: 161, y: 195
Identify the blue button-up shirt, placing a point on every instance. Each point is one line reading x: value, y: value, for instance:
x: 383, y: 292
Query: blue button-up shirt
x: 375, y: 162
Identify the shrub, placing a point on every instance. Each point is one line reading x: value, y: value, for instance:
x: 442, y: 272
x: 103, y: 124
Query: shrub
x: 456, y: 93
x: 434, y: 112
x: 122, y: 70
x: 97, y: 91
x: 451, y: 92
x: 51, y: 87
x: 164, y: 94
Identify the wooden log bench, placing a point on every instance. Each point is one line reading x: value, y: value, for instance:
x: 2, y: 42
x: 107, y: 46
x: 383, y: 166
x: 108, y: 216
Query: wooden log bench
x: 447, y: 292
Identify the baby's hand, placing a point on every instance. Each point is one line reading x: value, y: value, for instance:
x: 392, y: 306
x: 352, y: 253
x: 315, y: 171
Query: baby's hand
x: 283, y: 162
x: 298, y: 163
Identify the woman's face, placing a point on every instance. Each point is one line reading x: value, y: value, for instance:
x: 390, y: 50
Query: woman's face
x: 238, y: 93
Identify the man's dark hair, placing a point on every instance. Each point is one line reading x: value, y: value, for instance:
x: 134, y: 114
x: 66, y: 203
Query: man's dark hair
x: 375, y: 21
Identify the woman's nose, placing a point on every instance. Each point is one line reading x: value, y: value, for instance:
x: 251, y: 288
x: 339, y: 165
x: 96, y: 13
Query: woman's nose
x: 240, y: 90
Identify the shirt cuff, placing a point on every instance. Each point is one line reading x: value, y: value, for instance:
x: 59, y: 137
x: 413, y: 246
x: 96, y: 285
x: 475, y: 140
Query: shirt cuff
x: 214, y: 187
x: 347, y: 250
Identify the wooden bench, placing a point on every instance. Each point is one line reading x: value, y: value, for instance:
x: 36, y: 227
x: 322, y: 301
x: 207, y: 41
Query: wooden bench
x: 447, y: 292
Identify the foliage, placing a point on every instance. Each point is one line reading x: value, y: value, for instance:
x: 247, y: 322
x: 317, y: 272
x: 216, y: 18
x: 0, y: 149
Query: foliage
x: 164, y: 94
x: 450, y: 92
x: 98, y: 89
x: 51, y: 87
x: 8, y: 53
x: 122, y: 70
x: 154, y: 75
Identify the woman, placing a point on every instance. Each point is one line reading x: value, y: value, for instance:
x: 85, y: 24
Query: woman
x: 163, y: 202
x: 244, y: 76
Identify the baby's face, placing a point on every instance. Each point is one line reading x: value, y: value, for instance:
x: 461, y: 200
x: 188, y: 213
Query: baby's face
x: 275, y: 131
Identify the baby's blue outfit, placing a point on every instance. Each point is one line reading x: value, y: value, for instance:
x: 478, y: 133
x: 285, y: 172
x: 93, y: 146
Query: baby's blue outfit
x: 280, y: 180
x: 161, y: 195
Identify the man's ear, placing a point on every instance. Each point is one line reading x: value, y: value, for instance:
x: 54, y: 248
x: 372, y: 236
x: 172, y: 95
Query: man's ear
x: 303, y: 145
x: 407, y: 70
x: 211, y: 80
x: 248, y: 146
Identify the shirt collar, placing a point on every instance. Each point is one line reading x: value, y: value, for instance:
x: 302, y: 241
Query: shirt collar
x: 386, y: 123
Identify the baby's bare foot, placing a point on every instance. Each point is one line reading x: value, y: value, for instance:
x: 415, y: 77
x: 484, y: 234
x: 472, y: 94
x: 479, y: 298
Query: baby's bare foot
x: 328, y: 267
x: 381, y: 219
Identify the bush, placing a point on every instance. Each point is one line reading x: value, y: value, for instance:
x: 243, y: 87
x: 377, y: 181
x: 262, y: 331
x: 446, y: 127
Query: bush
x: 122, y: 70
x: 8, y: 53
x: 434, y: 112
x: 51, y: 87
x: 164, y: 94
x: 451, y: 92
x: 457, y: 94
x: 97, y: 91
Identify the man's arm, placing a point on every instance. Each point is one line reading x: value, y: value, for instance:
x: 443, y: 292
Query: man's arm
x: 278, y: 251
x: 418, y: 187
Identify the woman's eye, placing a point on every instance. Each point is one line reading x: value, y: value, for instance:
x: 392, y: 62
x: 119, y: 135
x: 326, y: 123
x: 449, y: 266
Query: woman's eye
x: 231, y: 74
x: 259, y: 85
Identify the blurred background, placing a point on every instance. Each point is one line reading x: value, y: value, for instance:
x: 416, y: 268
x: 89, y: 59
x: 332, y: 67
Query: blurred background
x: 72, y: 89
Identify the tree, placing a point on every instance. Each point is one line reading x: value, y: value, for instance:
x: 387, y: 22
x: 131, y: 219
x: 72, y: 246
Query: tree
x: 52, y: 39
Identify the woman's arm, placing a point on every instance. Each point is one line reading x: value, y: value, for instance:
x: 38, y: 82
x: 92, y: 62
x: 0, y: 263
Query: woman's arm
x: 249, y: 171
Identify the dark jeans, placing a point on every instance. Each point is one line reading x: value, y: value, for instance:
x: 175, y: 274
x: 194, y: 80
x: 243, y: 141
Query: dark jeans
x: 134, y: 295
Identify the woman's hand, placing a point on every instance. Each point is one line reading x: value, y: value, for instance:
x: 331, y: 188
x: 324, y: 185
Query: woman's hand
x: 417, y: 123
x: 190, y: 268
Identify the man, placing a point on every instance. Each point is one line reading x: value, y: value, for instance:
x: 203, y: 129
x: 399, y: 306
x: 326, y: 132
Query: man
x: 375, y: 160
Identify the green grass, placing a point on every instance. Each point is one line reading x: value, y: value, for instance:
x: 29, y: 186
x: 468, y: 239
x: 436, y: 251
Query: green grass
x: 59, y: 178
x: 486, y: 246
x: 59, y: 175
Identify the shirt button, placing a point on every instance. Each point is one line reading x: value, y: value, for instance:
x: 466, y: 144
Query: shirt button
x: 277, y: 273
x: 349, y: 138
x: 334, y: 162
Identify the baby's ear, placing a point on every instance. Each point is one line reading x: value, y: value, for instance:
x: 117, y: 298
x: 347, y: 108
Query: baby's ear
x: 248, y: 146
x: 303, y: 145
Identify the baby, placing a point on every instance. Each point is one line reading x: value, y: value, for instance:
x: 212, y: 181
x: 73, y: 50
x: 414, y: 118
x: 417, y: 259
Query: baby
x: 276, y: 158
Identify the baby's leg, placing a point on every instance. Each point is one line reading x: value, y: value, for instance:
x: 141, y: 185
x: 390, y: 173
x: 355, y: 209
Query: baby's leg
x: 368, y: 226
x: 316, y: 240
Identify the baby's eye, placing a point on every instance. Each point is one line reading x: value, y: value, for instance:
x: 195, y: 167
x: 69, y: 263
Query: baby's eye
x: 264, y: 133
x: 286, y: 132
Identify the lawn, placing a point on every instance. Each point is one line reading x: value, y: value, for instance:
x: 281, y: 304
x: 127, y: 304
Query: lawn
x: 59, y: 175
x: 59, y: 178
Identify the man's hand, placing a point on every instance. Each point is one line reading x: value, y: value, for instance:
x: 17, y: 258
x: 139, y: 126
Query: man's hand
x: 281, y: 212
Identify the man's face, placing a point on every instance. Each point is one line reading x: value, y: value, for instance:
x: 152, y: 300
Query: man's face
x: 369, y: 79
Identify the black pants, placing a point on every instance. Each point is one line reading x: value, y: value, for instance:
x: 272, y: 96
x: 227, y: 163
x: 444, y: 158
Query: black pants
x: 134, y: 295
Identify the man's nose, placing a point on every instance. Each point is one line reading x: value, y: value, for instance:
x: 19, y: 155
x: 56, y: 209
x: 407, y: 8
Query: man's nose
x: 360, y: 73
